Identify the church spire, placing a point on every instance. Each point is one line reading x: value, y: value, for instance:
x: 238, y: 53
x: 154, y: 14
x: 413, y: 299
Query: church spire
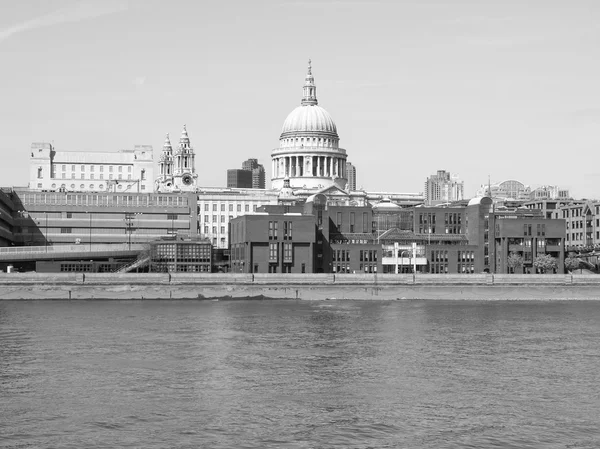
x: 184, y: 140
x: 309, y: 90
x: 167, y: 148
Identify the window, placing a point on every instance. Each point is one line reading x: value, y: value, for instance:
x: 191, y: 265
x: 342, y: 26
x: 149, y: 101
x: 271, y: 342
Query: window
x: 206, y: 219
x: 222, y: 229
x: 247, y: 208
x: 214, y: 219
x: 365, y: 222
x: 65, y: 230
x: 222, y: 218
x: 120, y: 176
x: 101, y: 175
x: 214, y: 229
x: 83, y: 168
x: 101, y: 168
x: 72, y: 168
x: 91, y: 176
x: 39, y: 173
x: 92, y: 168
x: 110, y: 169
x: 351, y: 221
x: 129, y: 169
x: 231, y: 208
x: 83, y: 176
x: 206, y: 229
x: 287, y: 253
x: 223, y: 207
x: 72, y: 175
x: 120, y: 169
x: 239, y: 207
x: 214, y: 207
x: 128, y: 176
x: 143, y: 175
x: 273, y: 252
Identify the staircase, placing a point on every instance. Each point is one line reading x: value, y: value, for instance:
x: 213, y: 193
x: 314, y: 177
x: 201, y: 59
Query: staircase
x: 139, y: 262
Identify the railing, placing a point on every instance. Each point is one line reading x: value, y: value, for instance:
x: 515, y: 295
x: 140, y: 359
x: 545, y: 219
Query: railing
x: 82, y: 247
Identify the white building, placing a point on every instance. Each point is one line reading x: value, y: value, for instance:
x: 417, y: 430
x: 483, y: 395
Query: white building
x: 309, y: 153
x: 81, y: 171
x: 218, y: 206
x: 443, y: 187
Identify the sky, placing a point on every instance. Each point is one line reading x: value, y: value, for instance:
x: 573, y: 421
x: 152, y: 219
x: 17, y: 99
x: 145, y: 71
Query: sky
x: 484, y: 89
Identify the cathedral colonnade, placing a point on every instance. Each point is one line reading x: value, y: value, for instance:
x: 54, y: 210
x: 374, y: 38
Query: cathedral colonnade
x: 308, y: 166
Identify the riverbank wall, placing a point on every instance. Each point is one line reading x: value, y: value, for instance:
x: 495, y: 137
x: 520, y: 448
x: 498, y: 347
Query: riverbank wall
x: 89, y: 286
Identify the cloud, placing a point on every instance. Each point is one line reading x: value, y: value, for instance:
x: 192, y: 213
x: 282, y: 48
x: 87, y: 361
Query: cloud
x: 81, y: 10
x: 139, y: 81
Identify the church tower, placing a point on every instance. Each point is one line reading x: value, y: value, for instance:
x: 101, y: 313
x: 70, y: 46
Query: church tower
x: 184, y: 166
x: 165, y: 166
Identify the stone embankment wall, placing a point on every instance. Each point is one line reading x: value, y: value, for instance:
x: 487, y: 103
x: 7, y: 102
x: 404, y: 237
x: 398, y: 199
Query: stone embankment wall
x: 33, y: 286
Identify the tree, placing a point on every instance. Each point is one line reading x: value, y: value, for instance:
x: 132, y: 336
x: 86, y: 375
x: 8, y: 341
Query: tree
x: 514, y: 260
x: 545, y: 262
x: 572, y: 262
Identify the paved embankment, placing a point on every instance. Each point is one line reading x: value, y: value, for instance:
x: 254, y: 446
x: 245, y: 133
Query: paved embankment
x: 297, y: 286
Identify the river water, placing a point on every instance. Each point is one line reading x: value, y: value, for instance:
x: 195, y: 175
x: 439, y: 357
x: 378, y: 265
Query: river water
x: 299, y: 374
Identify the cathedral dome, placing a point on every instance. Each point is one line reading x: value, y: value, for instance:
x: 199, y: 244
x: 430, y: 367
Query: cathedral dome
x: 309, y: 119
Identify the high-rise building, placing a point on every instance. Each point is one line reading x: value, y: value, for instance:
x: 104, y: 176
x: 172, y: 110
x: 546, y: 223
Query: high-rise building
x: 250, y: 164
x: 351, y: 171
x: 258, y: 177
x: 443, y: 188
x: 239, y: 179
x: 258, y: 173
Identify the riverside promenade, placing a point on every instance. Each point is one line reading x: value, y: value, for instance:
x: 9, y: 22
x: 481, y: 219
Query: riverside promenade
x: 89, y: 286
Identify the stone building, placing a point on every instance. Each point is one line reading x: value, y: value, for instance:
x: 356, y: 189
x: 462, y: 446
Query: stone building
x: 177, y: 169
x: 309, y: 153
x: 81, y: 171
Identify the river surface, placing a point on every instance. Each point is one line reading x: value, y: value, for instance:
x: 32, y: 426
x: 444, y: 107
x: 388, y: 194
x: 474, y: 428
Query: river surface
x: 299, y: 374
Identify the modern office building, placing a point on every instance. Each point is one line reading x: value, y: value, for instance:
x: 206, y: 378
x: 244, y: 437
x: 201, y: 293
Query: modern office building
x: 442, y: 187
x: 87, y: 218
x: 582, y: 224
x: 258, y: 173
x: 180, y: 256
x: 351, y: 169
x: 81, y: 171
x: 272, y: 243
x: 239, y: 179
x: 309, y: 153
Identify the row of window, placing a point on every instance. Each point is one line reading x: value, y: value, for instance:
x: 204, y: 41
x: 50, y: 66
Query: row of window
x: 287, y: 250
x: 214, y: 230
x: 274, y: 230
x: 94, y: 199
x: 92, y: 168
x: 215, y: 207
x: 527, y: 229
